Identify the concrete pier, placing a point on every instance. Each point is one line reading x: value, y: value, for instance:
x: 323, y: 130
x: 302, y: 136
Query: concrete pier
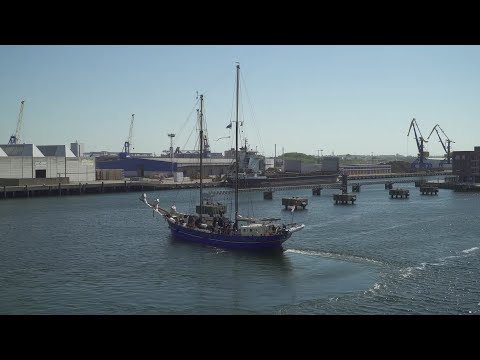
x: 97, y: 187
x: 344, y: 198
x: 399, y: 193
x: 429, y: 190
x: 299, y: 202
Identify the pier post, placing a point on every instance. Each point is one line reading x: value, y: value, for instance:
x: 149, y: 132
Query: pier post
x: 344, y: 184
x: 26, y: 190
x: 59, y: 189
x: 102, y: 187
x: 4, y: 192
x: 125, y: 185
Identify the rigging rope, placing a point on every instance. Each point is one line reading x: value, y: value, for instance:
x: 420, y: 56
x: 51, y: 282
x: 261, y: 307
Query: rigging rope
x: 188, y: 118
x: 252, y: 115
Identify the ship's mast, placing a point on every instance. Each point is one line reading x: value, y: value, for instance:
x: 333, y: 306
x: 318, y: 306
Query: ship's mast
x: 236, y: 153
x: 201, y: 156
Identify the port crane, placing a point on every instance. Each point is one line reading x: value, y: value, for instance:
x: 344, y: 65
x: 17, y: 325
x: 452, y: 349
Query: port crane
x: 420, y: 162
x: 126, y: 147
x: 446, y: 148
x: 15, y: 139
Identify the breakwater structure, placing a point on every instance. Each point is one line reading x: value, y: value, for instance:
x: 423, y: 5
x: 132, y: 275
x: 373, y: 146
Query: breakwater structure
x: 63, y: 187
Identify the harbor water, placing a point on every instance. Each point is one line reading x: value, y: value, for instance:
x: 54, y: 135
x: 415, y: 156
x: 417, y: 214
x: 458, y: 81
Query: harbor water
x: 108, y: 254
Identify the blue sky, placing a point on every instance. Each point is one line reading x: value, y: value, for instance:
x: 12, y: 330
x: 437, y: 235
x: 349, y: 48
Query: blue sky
x: 341, y: 99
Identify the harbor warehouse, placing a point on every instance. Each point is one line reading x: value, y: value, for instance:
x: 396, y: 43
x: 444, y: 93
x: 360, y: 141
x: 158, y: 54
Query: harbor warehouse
x: 28, y: 161
x: 162, y: 166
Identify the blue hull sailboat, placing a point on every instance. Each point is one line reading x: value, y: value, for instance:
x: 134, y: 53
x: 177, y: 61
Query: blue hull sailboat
x: 211, y: 227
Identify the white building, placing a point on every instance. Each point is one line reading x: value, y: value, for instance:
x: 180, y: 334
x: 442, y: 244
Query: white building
x: 27, y: 161
x: 78, y: 149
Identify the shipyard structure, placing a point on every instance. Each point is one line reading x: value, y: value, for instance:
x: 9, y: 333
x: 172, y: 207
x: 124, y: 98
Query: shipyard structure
x: 158, y: 167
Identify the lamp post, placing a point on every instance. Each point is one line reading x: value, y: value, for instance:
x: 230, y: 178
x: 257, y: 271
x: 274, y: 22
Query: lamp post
x: 171, y: 150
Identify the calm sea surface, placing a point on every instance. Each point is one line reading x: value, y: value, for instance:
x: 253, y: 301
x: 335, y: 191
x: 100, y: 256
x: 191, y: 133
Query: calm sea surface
x: 107, y: 254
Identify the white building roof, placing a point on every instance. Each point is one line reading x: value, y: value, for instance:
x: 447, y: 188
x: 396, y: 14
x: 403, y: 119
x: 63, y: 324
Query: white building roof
x: 56, y: 150
x: 21, y: 150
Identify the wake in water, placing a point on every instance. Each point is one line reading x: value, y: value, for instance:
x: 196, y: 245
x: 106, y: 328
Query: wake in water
x: 335, y: 256
x: 469, y: 250
x: 407, y: 272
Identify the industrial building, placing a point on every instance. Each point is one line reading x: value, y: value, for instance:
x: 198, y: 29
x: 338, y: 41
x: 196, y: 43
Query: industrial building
x: 466, y: 165
x: 366, y: 169
x: 78, y: 149
x: 28, y: 161
x: 158, y: 167
x: 328, y: 164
